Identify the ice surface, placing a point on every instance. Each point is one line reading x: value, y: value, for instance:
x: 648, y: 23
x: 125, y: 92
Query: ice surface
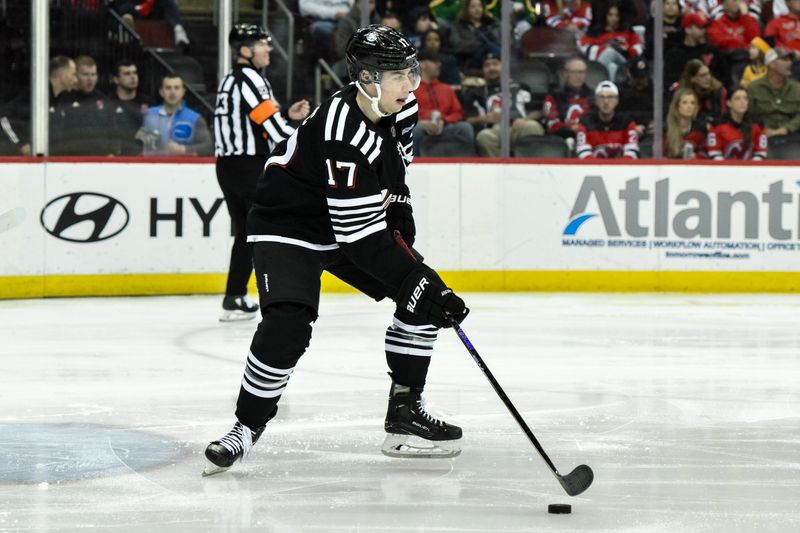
x: 686, y: 408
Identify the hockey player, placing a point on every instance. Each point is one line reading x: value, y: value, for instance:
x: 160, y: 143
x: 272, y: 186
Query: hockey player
x: 248, y: 124
x: 333, y: 197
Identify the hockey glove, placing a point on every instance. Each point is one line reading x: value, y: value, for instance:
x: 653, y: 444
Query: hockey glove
x: 399, y: 215
x: 423, y: 294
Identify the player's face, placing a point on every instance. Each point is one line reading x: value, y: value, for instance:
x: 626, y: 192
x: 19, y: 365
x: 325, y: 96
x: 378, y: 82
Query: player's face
x: 172, y: 91
x: 606, y: 102
x: 87, y: 78
x: 395, y: 88
x: 739, y: 102
x: 794, y: 6
x: 127, y: 77
x: 687, y: 107
x: 260, y: 52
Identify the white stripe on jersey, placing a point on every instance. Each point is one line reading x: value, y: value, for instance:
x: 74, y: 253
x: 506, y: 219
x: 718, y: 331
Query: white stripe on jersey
x: 349, y: 230
x: 236, y: 99
x: 249, y: 96
x: 341, y: 122
x: 330, y: 119
x: 294, y: 242
x: 367, y: 146
x: 374, y: 228
x: 407, y: 113
x: 362, y: 129
x: 283, y: 160
x: 376, y: 152
x: 354, y: 202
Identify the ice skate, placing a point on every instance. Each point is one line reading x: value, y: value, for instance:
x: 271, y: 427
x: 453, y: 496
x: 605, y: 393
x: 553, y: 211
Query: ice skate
x: 234, y: 446
x: 412, y: 432
x: 235, y: 308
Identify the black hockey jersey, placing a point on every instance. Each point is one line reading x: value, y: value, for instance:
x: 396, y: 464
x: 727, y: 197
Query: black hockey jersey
x: 328, y: 185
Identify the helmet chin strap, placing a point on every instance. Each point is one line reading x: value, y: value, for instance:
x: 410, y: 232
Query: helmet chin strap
x: 373, y: 100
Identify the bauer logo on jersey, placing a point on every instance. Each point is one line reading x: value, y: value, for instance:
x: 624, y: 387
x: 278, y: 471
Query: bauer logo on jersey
x: 84, y: 217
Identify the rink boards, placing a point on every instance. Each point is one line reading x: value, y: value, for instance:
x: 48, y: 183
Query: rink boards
x: 114, y: 227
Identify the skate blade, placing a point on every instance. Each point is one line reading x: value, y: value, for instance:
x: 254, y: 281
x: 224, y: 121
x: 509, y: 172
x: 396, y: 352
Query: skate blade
x: 236, y: 316
x: 212, y: 469
x: 409, y: 447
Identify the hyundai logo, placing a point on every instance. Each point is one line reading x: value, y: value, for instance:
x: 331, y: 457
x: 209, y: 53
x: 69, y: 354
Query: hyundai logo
x: 84, y: 217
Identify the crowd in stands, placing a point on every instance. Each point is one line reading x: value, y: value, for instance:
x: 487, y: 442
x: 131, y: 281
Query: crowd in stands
x: 728, y: 81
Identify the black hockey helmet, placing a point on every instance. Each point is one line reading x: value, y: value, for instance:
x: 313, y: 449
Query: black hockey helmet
x: 247, y: 34
x: 377, y: 48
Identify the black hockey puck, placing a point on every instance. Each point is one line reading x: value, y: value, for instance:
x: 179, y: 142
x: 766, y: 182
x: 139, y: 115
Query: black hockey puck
x: 559, y: 508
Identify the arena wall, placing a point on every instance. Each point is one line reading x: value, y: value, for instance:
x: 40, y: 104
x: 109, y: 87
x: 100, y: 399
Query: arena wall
x: 113, y: 227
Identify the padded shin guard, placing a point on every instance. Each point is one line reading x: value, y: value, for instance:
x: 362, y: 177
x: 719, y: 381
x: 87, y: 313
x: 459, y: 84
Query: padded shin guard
x: 281, y: 339
x: 408, y: 352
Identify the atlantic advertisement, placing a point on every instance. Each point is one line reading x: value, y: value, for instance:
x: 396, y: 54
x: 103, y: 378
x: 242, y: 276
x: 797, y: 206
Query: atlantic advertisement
x: 112, y: 218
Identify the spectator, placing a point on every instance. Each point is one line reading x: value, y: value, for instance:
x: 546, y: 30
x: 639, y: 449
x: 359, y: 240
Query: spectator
x: 86, y: 118
x: 393, y: 21
x: 63, y: 81
x: 483, y: 106
x: 733, y: 30
x: 712, y: 95
x: 604, y: 133
x: 166, y: 9
x: 628, y: 10
x: 474, y: 34
x: 420, y: 22
x: 432, y: 40
x: 348, y: 25
x: 737, y: 136
x: 613, y: 45
x: 756, y: 68
x: 562, y: 110
x: 526, y: 15
x: 775, y: 98
x: 696, y: 6
x: 686, y: 135
x: 440, y: 112
x: 752, y: 7
x: 636, y: 97
x: 694, y: 46
x: 784, y: 31
x: 172, y: 128
x: 673, y: 33
x: 446, y: 11
x: 573, y: 15
x: 14, y: 126
x: 325, y: 16
x: 128, y: 107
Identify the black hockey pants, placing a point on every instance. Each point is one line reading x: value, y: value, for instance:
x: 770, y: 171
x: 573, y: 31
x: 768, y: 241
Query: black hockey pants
x: 288, y: 280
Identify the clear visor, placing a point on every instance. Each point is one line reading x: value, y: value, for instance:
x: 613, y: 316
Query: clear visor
x: 395, y: 79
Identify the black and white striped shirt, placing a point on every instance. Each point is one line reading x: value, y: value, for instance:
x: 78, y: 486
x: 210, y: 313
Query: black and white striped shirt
x: 247, y: 119
x: 328, y: 185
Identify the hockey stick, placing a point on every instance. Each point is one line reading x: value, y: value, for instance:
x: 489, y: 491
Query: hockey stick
x: 573, y: 483
x: 576, y: 481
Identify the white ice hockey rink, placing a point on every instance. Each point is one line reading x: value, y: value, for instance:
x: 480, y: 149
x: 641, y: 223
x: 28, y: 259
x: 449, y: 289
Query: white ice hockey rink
x: 686, y: 407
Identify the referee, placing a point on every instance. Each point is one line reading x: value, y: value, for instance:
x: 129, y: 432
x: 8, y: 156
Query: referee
x: 248, y: 125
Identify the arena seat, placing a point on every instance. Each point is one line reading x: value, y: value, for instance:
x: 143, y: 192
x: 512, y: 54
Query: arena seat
x: 551, y: 146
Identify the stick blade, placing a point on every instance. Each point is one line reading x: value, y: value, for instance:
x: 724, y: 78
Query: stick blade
x: 577, y: 481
